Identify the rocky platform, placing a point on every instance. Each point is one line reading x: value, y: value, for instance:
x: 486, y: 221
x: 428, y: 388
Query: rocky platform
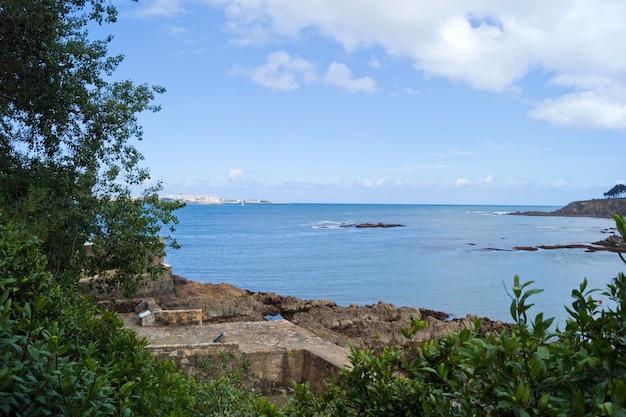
x: 613, y: 243
x: 601, y: 208
x: 366, y: 327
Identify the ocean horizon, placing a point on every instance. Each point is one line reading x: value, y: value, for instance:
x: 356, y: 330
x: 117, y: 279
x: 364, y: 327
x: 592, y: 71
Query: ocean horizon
x: 459, y: 259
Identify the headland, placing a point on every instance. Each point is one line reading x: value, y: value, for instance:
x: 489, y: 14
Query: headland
x: 604, y: 208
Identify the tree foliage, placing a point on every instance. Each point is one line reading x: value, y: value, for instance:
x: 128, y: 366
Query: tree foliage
x: 68, y: 161
x: 616, y: 192
x: 62, y: 356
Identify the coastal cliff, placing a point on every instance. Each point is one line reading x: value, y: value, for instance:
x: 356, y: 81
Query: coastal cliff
x: 587, y: 208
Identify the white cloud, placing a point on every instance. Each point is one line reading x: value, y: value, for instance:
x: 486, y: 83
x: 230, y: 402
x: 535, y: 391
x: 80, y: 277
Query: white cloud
x: 488, y: 44
x: 583, y: 109
x: 339, y: 75
x: 387, y: 183
x: 240, y: 177
x: 374, y: 183
x: 560, y: 183
x: 489, y: 179
x: 492, y: 144
x: 282, y: 72
x: 476, y: 55
x: 462, y: 181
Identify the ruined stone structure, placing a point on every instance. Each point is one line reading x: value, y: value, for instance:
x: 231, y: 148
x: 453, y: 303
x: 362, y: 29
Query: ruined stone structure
x: 151, y: 314
x: 279, y: 352
x: 164, y: 283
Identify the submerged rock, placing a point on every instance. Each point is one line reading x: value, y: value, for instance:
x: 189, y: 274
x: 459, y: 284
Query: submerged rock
x: 372, y: 225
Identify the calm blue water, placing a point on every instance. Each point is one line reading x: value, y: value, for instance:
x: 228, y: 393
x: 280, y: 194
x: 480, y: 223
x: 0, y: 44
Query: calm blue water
x: 438, y: 261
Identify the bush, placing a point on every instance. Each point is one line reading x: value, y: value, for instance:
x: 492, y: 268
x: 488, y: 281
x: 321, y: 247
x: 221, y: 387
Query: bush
x: 60, y: 355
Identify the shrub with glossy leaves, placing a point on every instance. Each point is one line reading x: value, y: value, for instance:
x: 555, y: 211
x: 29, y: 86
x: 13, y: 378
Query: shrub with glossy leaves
x: 60, y: 355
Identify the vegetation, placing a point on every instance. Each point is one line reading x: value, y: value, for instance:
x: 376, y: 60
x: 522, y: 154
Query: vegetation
x: 67, y: 158
x: 68, y: 164
x: 616, y: 192
x: 60, y: 355
x: 67, y: 167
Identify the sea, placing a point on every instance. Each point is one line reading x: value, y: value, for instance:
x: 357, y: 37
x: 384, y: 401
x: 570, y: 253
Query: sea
x: 453, y: 258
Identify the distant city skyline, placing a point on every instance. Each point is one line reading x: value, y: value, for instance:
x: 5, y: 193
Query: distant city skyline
x: 402, y: 101
x: 210, y: 199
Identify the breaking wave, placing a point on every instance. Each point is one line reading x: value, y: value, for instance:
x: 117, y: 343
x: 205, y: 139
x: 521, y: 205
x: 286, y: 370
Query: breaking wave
x: 330, y: 224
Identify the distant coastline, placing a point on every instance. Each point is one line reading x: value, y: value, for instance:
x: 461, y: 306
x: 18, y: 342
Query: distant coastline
x: 203, y: 199
x: 602, y: 208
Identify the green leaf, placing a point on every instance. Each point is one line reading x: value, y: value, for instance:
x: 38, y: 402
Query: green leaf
x: 543, y: 353
x: 127, y: 387
x: 513, y: 309
x: 522, y: 394
x: 620, y: 393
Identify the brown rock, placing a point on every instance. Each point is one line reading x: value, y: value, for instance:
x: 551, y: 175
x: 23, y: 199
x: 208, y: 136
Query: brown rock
x: 366, y: 327
x: 381, y: 225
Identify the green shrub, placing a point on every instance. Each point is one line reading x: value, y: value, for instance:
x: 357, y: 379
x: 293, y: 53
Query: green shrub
x: 60, y: 355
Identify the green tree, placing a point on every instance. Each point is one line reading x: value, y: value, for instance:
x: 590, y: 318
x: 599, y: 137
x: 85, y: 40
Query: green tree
x: 617, y: 191
x: 68, y: 160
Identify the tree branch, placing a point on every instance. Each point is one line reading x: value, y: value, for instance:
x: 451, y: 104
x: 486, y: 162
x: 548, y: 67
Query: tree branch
x: 8, y: 97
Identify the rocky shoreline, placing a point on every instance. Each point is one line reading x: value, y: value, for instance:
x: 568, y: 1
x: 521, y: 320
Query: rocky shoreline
x: 613, y: 243
x: 604, y: 208
x: 372, y: 326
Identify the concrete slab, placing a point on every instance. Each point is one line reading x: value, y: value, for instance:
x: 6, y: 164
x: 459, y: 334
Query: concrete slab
x: 251, y: 337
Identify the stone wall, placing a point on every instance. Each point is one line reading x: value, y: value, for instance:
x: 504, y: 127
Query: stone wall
x: 317, y: 370
x: 187, y: 356
x: 274, y: 369
x: 185, y: 353
x: 280, y: 369
x: 163, y: 284
x: 177, y: 317
x: 277, y: 369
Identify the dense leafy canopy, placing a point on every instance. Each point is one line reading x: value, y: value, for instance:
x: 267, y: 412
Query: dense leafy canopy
x: 617, y: 191
x: 67, y: 155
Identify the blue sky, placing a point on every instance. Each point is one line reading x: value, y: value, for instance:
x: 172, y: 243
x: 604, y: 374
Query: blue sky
x: 395, y: 101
